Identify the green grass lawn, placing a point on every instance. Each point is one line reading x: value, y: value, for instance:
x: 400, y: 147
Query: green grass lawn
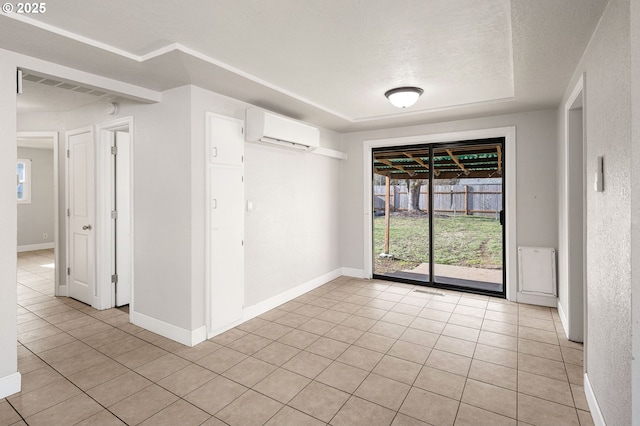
x: 463, y: 241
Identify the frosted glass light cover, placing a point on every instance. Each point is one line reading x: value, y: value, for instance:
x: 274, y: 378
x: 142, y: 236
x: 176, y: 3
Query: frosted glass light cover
x: 404, y: 97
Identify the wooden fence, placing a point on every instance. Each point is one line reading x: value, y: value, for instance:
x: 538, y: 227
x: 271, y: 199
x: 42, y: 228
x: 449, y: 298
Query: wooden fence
x: 481, y: 200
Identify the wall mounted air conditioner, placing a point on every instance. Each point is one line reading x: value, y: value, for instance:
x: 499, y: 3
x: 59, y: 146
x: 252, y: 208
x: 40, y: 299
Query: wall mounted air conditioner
x: 266, y: 127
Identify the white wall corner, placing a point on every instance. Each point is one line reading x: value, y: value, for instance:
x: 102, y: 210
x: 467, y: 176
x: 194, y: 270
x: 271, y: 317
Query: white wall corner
x: 170, y: 331
x: 284, y: 297
x: 10, y: 384
x: 353, y: 272
x: 598, y: 418
x: 563, y: 318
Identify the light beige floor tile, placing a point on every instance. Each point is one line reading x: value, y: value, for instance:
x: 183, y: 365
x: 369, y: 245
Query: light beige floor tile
x: 539, y: 349
x: 356, y: 356
x: 180, y: 412
x: 186, y: 380
x: 342, y: 376
x: 410, y: 351
x: 397, y: 369
x: 398, y: 318
x: 291, y: 319
x: 162, y: 367
x: 542, y: 324
x: 369, y: 312
x: 498, y: 340
x: 199, y: 351
x: 579, y: 398
x: 122, y: 346
x: 276, y: 353
x: 489, y: 397
x: 419, y: 337
x: 344, y: 334
x: 30, y: 363
x: 545, y: 388
x: 251, y: 408
x: 537, y: 411
x: 358, y: 322
x: 375, y: 342
x: 249, y: 344
x: 327, y: 348
x: 456, y: 346
x: 494, y: 374
x: 434, y: 314
x: 460, y: 332
x: 501, y: 317
x: 7, y: 414
x: 585, y: 418
x: 228, y: 337
x: 97, y: 374
x: 311, y: 310
x: 249, y: 372
x: 542, y: 366
x: 140, y: 356
x: 383, y: 391
x: 50, y: 342
x: 307, y: 364
x: 282, y: 385
x: 409, y: 306
x: 575, y: 373
x: 290, y: 416
x: 404, y: 420
x: 466, y: 321
x: 538, y: 335
x: 317, y: 326
x: 33, y: 402
x: 430, y: 407
x: 143, y: 404
x: 69, y: 412
x: 221, y: 360
x: 500, y: 327
x: 273, y: 331
x: 337, y: 316
x: 440, y: 382
x: 38, y: 378
x: 469, y: 415
x: 426, y: 324
x: 319, y: 401
x: 358, y: 412
x: 572, y: 356
x: 299, y: 338
x: 103, y: 418
x: 446, y: 361
x: 215, y: 394
x: 123, y: 386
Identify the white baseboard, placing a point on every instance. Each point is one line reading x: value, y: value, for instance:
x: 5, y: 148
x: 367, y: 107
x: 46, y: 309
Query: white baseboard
x: 563, y: 318
x: 598, y: 418
x: 353, y: 272
x: 284, y: 297
x: 32, y: 247
x: 10, y: 384
x: 170, y: 331
x: 537, y: 299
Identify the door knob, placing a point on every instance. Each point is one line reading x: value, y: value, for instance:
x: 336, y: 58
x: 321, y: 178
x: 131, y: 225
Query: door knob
x: 86, y: 228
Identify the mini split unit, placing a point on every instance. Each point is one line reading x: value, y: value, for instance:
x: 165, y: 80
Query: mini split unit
x: 266, y: 127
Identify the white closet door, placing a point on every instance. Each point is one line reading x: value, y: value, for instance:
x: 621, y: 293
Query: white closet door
x: 226, y: 140
x: 226, y: 245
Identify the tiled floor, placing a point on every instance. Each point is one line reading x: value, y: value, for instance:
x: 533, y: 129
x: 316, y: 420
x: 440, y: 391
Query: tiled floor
x: 352, y: 352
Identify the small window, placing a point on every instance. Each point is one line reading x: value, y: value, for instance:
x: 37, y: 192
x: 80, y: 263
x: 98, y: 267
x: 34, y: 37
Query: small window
x: 24, y: 181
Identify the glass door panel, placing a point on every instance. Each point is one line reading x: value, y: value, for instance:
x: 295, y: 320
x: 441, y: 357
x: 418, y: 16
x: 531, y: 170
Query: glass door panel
x: 401, y: 214
x: 467, y: 206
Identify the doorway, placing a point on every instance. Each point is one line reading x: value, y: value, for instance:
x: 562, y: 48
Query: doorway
x: 438, y: 215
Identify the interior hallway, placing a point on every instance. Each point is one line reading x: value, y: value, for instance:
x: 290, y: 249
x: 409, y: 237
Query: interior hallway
x: 352, y: 352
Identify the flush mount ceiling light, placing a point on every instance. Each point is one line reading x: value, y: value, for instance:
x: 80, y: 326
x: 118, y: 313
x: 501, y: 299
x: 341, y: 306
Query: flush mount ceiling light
x: 403, y: 97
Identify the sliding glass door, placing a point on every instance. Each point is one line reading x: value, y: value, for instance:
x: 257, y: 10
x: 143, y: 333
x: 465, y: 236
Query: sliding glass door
x: 438, y: 215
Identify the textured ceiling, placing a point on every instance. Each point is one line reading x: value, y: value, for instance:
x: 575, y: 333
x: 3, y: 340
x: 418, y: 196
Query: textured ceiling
x: 326, y: 62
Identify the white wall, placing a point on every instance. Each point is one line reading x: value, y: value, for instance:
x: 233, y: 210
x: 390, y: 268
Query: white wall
x: 37, y: 217
x: 9, y: 379
x: 536, y: 178
x: 608, y: 134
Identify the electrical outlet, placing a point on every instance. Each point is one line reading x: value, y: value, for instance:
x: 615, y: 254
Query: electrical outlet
x: 45, y: 236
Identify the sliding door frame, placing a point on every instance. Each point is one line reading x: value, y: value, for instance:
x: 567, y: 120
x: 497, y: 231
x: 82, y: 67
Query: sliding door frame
x: 509, y: 192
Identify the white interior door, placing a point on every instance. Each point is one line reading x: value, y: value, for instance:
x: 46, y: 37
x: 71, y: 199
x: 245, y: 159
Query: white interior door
x: 122, y: 220
x: 81, y: 213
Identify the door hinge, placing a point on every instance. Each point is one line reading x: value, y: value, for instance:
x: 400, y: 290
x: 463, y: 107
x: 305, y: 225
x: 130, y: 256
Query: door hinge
x: 114, y: 214
x: 19, y: 82
x: 68, y: 271
x: 114, y: 150
x: 114, y: 278
x: 68, y: 212
x: 68, y: 154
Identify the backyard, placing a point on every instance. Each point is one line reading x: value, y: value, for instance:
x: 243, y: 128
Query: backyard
x: 469, y: 241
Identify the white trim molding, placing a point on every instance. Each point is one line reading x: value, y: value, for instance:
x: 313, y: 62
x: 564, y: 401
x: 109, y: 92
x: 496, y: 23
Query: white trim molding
x: 32, y: 247
x: 353, y: 272
x: 598, y: 418
x: 10, y: 384
x: 170, y: 331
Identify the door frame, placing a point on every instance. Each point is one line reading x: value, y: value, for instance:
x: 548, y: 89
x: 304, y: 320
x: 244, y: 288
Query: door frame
x: 58, y: 288
x: 509, y: 191
x: 105, y: 185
